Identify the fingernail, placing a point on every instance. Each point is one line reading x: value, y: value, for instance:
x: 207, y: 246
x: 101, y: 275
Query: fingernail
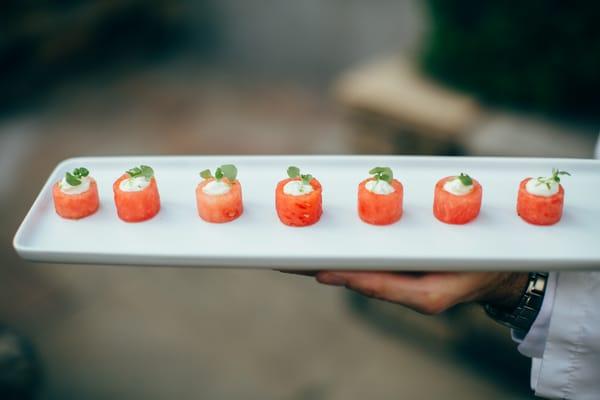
x: 332, y: 279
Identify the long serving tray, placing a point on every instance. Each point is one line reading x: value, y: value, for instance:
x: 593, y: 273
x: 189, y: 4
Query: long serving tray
x: 497, y: 240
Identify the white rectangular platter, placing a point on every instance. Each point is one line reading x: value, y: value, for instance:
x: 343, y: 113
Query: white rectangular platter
x: 497, y: 240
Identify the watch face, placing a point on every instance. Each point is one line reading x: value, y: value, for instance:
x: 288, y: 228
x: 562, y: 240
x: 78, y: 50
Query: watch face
x: 539, y: 282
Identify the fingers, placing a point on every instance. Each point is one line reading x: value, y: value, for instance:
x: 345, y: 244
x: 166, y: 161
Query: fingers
x: 298, y: 272
x: 424, y: 293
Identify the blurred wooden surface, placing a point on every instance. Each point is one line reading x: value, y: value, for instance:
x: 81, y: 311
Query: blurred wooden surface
x: 391, y: 98
x: 393, y: 108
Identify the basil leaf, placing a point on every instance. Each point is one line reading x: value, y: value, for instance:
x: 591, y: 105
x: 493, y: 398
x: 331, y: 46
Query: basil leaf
x: 385, y: 177
x: 382, y: 173
x: 72, y: 180
x: 146, y: 171
x: 218, y: 174
x: 387, y: 171
x: 133, y: 172
x: 306, y: 179
x: 293, y: 172
x: 206, y: 174
x: 230, y: 171
x: 465, y: 179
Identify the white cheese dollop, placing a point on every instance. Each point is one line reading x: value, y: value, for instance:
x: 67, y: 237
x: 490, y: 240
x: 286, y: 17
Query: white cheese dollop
x: 216, y: 188
x: 457, y: 188
x: 66, y: 188
x: 541, y: 189
x: 136, y: 184
x: 379, y: 186
x: 297, y: 188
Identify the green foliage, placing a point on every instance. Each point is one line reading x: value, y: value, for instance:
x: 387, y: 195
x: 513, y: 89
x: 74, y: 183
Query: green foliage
x: 542, y: 55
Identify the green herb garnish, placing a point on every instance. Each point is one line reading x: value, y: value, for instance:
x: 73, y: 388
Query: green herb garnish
x: 74, y: 178
x: 228, y: 171
x: 382, y: 174
x: 555, y: 177
x: 143, y: 170
x: 465, y: 179
x: 294, y: 172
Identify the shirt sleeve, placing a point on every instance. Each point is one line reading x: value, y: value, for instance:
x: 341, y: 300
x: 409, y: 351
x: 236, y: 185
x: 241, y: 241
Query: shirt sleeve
x: 570, y: 364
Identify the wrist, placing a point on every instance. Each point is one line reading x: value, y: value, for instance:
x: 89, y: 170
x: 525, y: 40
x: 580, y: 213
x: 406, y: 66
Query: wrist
x: 522, y: 315
x: 508, y: 291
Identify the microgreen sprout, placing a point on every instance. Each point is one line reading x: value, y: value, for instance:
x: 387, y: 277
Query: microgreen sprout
x: 142, y: 170
x: 382, y: 174
x: 465, y: 179
x: 228, y: 171
x: 549, y: 180
x: 294, y: 172
x: 74, y: 178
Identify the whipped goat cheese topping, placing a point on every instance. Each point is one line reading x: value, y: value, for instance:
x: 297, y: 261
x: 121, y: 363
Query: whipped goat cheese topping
x: 457, y: 188
x: 216, y: 188
x: 83, y: 187
x: 136, y: 184
x: 379, y: 186
x: 537, y: 188
x: 297, y: 188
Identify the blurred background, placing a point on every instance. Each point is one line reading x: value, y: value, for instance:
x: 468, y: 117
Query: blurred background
x: 458, y: 77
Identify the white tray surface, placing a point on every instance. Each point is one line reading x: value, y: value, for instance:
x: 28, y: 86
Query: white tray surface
x: 497, y: 239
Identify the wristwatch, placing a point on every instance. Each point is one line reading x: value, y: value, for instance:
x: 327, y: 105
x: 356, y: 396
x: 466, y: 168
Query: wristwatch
x: 522, y: 316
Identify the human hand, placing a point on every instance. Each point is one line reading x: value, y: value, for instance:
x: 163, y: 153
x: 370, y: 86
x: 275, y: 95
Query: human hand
x: 432, y: 292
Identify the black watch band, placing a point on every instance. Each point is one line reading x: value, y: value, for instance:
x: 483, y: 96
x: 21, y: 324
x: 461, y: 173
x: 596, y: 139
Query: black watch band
x: 522, y: 316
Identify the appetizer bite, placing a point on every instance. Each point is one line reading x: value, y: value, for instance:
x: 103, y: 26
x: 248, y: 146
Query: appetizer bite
x: 380, y: 197
x: 76, y: 195
x: 219, y: 197
x: 457, y: 199
x: 136, y: 194
x: 298, y: 199
x: 540, y: 200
